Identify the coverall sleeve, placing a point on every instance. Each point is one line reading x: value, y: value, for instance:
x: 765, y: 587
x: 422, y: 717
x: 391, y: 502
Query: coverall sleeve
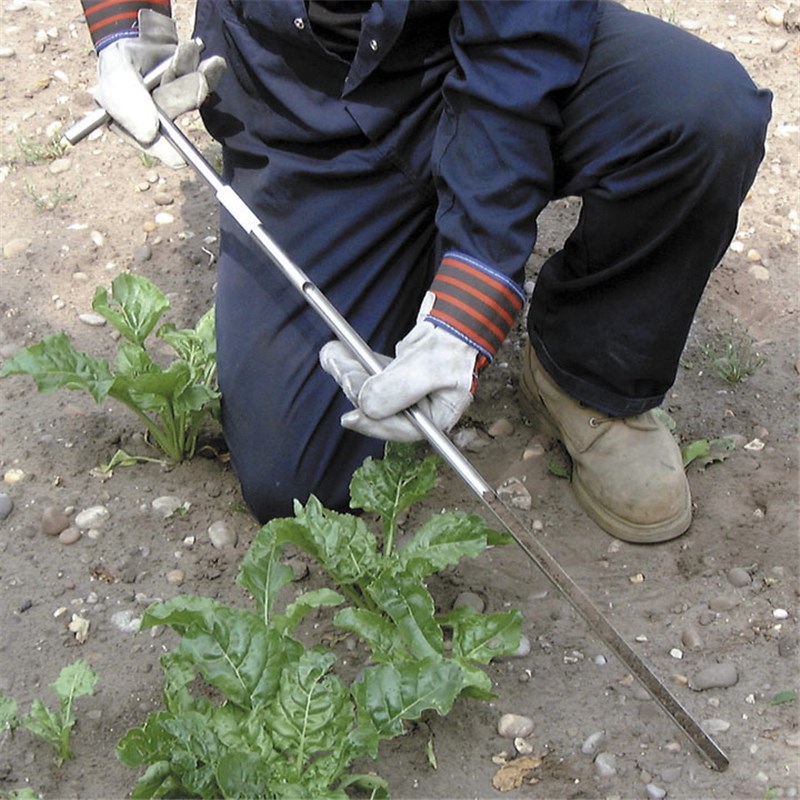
x: 492, y: 154
x: 110, y: 20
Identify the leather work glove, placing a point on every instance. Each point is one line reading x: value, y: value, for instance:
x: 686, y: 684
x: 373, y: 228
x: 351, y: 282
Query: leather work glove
x: 185, y: 85
x: 432, y: 368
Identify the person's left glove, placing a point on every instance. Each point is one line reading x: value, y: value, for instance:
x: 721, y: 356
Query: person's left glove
x: 432, y: 368
x: 185, y: 85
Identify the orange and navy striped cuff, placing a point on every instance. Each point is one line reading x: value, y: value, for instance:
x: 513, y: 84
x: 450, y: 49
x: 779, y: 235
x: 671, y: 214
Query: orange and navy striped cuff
x: 110, y: 20
x: 474, y: 302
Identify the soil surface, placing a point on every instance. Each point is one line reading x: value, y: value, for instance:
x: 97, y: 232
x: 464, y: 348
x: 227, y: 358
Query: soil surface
x: 73, y: 220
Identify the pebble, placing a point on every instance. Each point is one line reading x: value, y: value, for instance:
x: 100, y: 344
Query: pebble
x: 163, y: 199
x: 470, y: 600
x: 523, y: 746
x: 717, y: 676
x: 222, y: 535
x: 69, y: 536
x: 143, y: 253
x: 7, y: 52
x: 780, y: 613
x: 175, y: 576
x: 167, y: 505
x: 593, y: 742
x: 14, y: 475
x: 691, y: 639
x: 773, y: 16
x: 500, y: 427
x: 793, y: 739
x: 671, y: 774
x: 776, y: 45
x: 655, y: 792
x: 92, y: 318
x: 126, y: 621
x: 739, y: 577
x: 605, y: 765
x: 715, y: 725
x: 6, y: 505
x: 16, y: 247
x: 91, y: 517
x: 533, y: 450
x: 54, y: 520
x: 513, y: 726
x: 723, y: 602
x: 524, y: 648
x: 759, y: 272
x: 164, y: 218
x: 469, y: 439
x: 516, y: 493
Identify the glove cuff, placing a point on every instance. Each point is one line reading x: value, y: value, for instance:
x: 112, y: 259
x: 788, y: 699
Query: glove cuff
x: 111, y: 21
x: 474, y: 302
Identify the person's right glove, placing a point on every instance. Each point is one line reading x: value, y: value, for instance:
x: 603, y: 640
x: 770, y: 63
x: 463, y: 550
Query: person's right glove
x: 185, y: 85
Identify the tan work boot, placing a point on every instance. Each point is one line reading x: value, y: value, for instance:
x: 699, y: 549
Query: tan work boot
x: 627, y: 472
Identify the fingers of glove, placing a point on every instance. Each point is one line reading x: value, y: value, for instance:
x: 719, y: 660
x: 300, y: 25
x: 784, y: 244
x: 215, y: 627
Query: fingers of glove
x: 391, y: 429
x: 213, y: 68
x: 156, y: 28
x: 338, y: 361
x: 185, y: 60
x: 428, y: 360
x: 183, y: 94
x: 122, y: 93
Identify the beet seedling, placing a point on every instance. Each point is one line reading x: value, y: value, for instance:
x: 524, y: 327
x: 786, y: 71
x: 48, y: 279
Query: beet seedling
x: 172, y: 402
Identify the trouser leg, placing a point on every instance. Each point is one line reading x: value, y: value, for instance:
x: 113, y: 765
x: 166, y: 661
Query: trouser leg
x: 369, y: 248
x: 661, y: 138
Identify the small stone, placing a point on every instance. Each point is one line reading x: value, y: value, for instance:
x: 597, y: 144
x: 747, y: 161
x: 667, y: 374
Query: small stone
x: 69, y: 536
x: 739, y: 577
x: 593, y: 742
x: 16, y: 247
x: 676, y: 652
x: 54, y: 520
x: 774, y: 16
x: 126, y: 621
x: 605, y: 765
x: 717, y: 676
x: 148, y: 226
x: 793, y: 739
x: 164, y: 218
x: 513, y: 726
x: 92, y: 318
x: 7, y: 52
x: 780, y: 613
x: 14, y: 475
x: 655, y: 792
x: 92, y: 517
x: 523, y: 746
x: 470, y: 600
x: 514, y: 491
x: 167, y: 505
x: 715, y: 725
x: 671, y: 774
x: 533, y: 450
x: 776, y: 45
x: 175, y: 576
x: 300, y: 570
x: 469, y: 439
x: 754, y: 256
x: 59, y: 165
x: 723, y: 602
x: 500, y: 427
x: 759, y: 272
x: 6, y: 506
x: 163, y: 199
x: 691, y: 639
x: 524, y: 648
x: 222, y: 535
x: 143, y: 253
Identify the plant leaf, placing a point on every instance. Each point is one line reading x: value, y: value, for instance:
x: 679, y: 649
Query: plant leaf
x: 388, y: 486
x: 482, y: 637
x: 388, y: 694
x: 377, y: 631
x: 8, y: 712
x: 75, y: 680
x: 707, y: 451
x: 134, y: 308
x: 410, y: 606
x: 785, y: 696
x: 308, y: 601
x: 444, y: 540
x: 54, y: 364
x: 262, y: 573
x: 231, y: 648
x: 312, y: 712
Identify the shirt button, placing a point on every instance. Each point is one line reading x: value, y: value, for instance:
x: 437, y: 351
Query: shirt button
x: 373, y: 44
x: 299, y: 24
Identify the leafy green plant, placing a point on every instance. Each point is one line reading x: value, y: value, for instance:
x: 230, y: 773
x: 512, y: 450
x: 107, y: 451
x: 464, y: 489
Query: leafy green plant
x: 707, y: 451
x: 39, y: 152
x: 172, y: 402
x: 75, y: 680
x: 283, y: 723
x: 48, y: 201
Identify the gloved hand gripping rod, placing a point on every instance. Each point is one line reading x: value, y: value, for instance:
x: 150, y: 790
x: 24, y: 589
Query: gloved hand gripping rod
x: 712, y: 755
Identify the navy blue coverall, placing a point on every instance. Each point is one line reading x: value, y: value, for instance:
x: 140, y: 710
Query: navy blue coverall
x: 450, y: 128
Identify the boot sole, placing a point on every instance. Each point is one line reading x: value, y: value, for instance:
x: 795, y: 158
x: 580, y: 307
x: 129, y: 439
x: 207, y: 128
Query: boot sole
x: 533, y: 407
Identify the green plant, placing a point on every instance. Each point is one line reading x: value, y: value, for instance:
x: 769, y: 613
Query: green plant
x: 731, y: 357
x: 75, y: 680
x: 282, y: 723
x: 47, y: 201
x: 707, y: 451
x: 39, y: 152
x: 172, y: 402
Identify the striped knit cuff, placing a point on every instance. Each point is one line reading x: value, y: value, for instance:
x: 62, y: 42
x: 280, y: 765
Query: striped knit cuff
x: 111, y: 20
x: 474, y: 302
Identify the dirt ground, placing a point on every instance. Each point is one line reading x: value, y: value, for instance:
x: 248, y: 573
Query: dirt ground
x: 74, y: 220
